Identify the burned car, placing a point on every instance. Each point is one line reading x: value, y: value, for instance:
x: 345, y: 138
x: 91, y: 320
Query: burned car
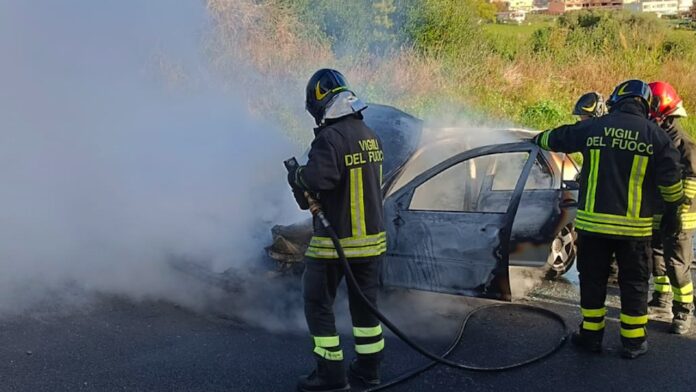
x: 462, y: 204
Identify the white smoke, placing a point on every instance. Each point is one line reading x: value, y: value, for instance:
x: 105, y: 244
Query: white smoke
x: 118, y: 151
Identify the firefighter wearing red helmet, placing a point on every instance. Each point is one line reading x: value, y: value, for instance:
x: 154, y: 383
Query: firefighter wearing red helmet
x: 672, y: 254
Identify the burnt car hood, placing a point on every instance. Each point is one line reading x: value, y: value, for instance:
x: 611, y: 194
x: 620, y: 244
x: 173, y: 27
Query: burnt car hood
x: 399, y: 132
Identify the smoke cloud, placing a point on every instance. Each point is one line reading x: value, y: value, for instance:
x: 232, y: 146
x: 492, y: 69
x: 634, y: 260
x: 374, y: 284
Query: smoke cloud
x: 119, y: 151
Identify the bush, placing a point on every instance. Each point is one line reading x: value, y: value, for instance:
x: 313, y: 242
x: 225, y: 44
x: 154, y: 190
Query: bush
x: 543, y: 115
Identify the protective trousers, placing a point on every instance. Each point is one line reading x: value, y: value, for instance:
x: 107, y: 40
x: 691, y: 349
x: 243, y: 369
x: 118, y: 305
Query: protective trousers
x: 634, y: 261
x: 320, y: 282
x: 672, y: 257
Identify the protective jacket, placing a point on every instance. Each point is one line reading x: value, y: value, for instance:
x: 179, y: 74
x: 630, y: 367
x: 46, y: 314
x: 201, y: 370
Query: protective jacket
x: 625, y: 158
x: 687, y: 158
x: 344, y: 171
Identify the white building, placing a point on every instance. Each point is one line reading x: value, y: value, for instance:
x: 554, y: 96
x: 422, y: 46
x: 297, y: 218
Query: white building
x: 520, y: 5
x: 685, y: 5
x: 659, y: 7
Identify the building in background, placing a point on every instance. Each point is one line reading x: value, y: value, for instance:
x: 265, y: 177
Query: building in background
x: 511, y: 17
x: 659, y: 7
x: 685, y: 6
x: 558, y: 7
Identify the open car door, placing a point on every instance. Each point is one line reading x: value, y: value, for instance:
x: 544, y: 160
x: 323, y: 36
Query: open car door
x: 445, y: 235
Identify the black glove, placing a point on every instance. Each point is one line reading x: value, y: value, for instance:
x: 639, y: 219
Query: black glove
x: 292, y: 176
x: 300, y: 199
x: 671, y: 223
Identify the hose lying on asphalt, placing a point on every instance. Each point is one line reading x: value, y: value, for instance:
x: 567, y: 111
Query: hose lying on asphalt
x: 442, y: 358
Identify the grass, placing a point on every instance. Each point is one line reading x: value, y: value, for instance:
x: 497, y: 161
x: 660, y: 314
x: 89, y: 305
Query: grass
x: 529, y: 74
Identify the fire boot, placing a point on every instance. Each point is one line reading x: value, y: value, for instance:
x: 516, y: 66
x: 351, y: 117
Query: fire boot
x: 330, y: 376
x: 681, y: 324
x: 660, y: 302
x: 633, y: 351
x: 591, y: 342
x: 366, y: 369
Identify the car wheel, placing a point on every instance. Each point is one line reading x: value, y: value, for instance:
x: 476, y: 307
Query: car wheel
x: 563, y: 252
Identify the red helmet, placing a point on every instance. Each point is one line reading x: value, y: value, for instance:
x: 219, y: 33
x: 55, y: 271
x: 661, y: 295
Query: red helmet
x: 670, y: 102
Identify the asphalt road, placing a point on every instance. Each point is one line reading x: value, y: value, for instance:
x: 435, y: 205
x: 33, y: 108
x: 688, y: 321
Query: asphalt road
x: 118, y: 345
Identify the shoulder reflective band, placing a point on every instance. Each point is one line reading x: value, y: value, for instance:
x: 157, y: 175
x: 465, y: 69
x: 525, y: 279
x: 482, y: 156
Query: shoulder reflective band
x: 635, y: 186
x: 672, y: 193
x: 592, y: 180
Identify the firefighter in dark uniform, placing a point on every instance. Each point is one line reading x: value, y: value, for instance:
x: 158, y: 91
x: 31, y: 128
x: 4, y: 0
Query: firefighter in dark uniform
x: 672, y: 255
x: 344, y: 172
x: 626, y: 157
x: 590, y: 105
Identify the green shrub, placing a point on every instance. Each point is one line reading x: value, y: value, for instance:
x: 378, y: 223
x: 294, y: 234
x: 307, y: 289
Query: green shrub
x: 543, y: 115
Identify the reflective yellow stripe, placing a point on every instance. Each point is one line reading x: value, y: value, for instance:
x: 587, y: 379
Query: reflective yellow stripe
x: 354, y: 213
x: 690, y: 188
x: 326, y: 341
x: 685, y: 299
x: 329, y: 355
x: 634, y: 320
x: 633, y: 333
x: 674, y: 188
x: 380, y: 176
x: 592, y: 180
x: 685, y: 294
x: 325, y: 242
x: 590, y: 326
x: 673, y: 192
x: 601, y: 312
x: 367, y: 332
x: 371, y: 348
x: 689, y: 220
x: 613, y: 230
x: 545, y: 140
x: 365, y: 251
x: 662, y: 279
x: 662, y: 288
x: 635, y: 186
x: 361, y: 204
x: 688, y: 289
x: 610, y: 219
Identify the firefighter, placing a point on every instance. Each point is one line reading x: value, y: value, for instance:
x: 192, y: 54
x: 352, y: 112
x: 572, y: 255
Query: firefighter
x: 590, y: 105
x: 344, y: 172
x: 626, y: 157
x: 672, y: 255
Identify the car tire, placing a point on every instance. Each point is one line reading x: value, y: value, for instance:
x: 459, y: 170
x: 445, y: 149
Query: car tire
x: 562, y: 253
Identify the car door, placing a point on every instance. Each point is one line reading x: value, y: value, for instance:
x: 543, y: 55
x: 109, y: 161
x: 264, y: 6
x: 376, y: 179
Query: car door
x: 444, y: 236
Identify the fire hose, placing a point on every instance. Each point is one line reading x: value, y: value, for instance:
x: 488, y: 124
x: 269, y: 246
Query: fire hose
x: 316, y: 210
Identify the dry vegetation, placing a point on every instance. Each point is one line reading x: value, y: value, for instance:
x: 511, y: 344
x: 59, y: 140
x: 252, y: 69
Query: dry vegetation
x: 425, y: 67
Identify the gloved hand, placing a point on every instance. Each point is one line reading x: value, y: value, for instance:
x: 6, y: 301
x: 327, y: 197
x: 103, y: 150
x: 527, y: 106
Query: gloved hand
x: 300, y: 199
x: 671, y: 223
x: 292, y: 178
